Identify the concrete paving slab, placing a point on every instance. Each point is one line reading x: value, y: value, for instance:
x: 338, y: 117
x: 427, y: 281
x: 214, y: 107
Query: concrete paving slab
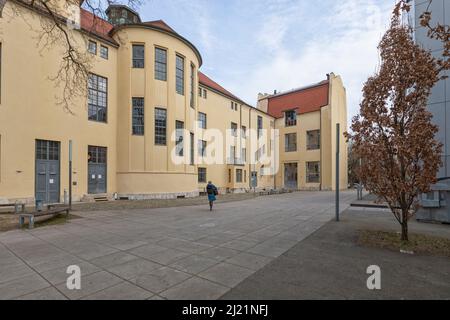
x: 161, y: 279
x: 49, y: 293
x: 195, y: 289
x: 121, y: 291
x: 90, y: 284
x: 249, y: 260
x: 226, y: 274
x: 18, y: 287
x: 194, y: 264
x: 133, y: 268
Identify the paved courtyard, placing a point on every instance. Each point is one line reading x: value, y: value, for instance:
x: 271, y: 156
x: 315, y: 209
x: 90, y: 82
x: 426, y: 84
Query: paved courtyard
x: 169, y: 253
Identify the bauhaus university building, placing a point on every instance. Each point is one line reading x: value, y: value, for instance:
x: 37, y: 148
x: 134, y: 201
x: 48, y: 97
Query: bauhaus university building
x: 150, y: 120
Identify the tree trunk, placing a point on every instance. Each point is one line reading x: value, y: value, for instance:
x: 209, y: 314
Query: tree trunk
x: 405, y: 229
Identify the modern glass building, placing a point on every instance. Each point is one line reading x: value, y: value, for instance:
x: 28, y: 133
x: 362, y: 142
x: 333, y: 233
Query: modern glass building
x: 439, y: 102
x: 436, y: 204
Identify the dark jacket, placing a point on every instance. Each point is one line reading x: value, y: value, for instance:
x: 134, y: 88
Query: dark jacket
x: 211, y: 189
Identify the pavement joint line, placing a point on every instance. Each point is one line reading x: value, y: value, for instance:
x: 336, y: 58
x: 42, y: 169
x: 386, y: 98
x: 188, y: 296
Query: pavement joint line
x: 29, y: 266
x: 161, y: 265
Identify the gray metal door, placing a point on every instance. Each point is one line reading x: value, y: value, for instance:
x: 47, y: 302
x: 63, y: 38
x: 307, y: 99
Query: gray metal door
x: 97, y: 170
x: 47, y: 177
x: 291, y: 176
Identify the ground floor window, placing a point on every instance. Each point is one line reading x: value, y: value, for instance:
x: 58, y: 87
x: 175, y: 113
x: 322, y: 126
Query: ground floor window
x: 313, y: 172
x: 239, y: 175
x: 202, y: 175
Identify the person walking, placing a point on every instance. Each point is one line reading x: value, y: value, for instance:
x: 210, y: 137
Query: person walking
x: 212, y: 192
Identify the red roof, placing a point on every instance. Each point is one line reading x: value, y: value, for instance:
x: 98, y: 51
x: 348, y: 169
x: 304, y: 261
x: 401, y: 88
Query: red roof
x: 305, y: 100
x: 206, y: 81
x: 95, y: 25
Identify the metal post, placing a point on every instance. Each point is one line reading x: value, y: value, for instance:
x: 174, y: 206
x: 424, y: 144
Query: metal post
x: 337, y: 169
x: 70, y: 174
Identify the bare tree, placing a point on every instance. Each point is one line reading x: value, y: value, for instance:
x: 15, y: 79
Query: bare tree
x: 54, y: 31
x: 394, y: 135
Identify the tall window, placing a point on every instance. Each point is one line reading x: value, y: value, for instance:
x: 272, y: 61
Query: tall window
x: 201, y: 175
x: 200, y: 91
x: 290, y: 118
x: 260, y: 126
x: 97, y: 98
x: 244, y: 155
x: 313, y: 140
x: 290, y: 142
x: 160, y: 126
x: 313, y: 172
x: 202, y: 120
x: 202, y: 148
x: 192, y: 149
x: 234, y: 129
x: 179, y: 125
x: 160, y: 64
x: 92, y: 47
x: 180, y: 74
x: 232, y: 159
x: 239, y: 175
x: 192, y: 86
x: 138, y: 56
x: 138, y: 116
x: 244, y: 132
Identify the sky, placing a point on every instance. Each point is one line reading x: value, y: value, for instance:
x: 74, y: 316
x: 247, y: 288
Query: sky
x: 252, y: 46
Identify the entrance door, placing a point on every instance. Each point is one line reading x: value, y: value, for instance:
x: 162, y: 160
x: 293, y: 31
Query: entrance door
x: 291, y: 176
x: 47, y: 177
x: 97, y: 170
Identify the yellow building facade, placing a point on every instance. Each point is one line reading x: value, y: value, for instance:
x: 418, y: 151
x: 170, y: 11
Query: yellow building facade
x: 144, y: 128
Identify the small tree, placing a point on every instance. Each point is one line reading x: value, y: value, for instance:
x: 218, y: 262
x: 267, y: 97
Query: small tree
x: 393, y: 134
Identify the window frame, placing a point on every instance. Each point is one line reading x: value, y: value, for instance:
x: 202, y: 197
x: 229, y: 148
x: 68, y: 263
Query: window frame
x: 98, y: 93
x: 316, y: 175
x: 102, y: 51
x: 179, y: 138
x: 311, y: 146
x: 234, y: 129
x: 290, y: 146
x: 239, y: 174
x: 202, y: 173
x: 179, y: 80
x: 162, y: 137
x: 260, y: 125
x: 140, y: 117
x: 192, y: 149
x: 202, y: 145
x: 290, y: 122
x: 161, y: 64
x: 202, y: 122
x: 90, y: 42
x: 192, y: 98
x: 134, y: 60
